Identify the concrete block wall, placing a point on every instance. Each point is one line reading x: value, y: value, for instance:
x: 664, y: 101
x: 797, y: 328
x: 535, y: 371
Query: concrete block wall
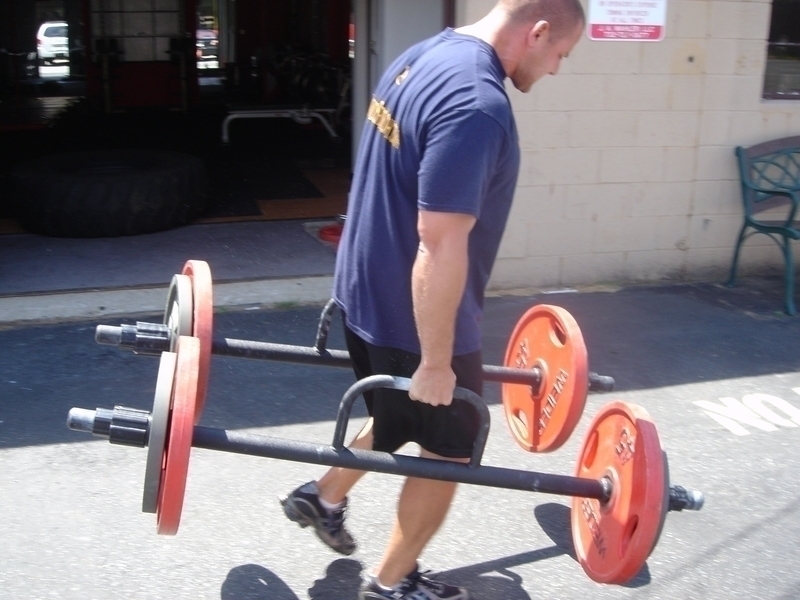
x: 628, y: 172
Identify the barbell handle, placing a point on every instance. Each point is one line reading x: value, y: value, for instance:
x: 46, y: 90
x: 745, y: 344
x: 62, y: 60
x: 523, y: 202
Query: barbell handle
x: 403, y: 383
x: 324, y: 326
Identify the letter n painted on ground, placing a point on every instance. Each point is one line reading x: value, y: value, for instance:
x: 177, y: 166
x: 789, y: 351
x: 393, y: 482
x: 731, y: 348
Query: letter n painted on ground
x: 732, y: 415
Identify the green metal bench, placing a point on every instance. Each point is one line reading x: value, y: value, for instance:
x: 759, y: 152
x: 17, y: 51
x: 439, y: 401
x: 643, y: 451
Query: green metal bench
x: 770, y: 178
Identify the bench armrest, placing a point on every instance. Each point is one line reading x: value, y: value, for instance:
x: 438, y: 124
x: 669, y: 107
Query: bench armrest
x: 791, y: 194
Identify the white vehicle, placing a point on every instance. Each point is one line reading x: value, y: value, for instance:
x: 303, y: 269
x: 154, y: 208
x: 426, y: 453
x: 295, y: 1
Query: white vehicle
x: 52, y: 43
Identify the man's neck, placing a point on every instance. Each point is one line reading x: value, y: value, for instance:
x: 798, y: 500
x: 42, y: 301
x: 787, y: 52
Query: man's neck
x: 496, y: 30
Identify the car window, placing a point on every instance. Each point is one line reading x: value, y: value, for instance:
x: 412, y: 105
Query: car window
x: 59, y: 31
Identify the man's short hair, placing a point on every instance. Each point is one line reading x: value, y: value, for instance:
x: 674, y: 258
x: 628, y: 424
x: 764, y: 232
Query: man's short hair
x: 563, y: 15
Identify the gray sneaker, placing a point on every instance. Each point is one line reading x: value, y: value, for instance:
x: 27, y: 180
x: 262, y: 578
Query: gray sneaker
x: 302, y: 506
x: 415, y: 586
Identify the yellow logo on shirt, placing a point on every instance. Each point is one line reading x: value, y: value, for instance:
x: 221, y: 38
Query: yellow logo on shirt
x: 380, y: 116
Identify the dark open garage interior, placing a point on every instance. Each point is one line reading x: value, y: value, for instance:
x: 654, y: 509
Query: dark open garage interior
x: 257, y: 92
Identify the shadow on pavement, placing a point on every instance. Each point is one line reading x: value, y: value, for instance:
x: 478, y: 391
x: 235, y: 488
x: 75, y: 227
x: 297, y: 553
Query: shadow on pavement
x: 252, y: 582
x: 342, y: 580
x: 554, y: 519
x: 489, y: 579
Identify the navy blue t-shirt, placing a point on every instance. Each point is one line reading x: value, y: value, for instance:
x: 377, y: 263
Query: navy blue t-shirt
x: 439, y: 136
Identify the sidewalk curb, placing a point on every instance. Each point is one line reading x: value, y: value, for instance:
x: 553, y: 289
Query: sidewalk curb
x: 101, y: 304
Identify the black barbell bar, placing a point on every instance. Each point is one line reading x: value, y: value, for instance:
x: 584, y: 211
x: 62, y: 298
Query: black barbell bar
x: 131, y: 427
x: 238, y: 442
x: 153, y: 339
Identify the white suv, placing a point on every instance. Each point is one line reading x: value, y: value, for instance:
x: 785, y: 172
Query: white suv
x: 52, y: 43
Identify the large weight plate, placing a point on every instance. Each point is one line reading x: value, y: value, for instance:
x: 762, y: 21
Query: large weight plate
x: 179, y: 312
x: 157, y: 437
x: 175, y: 464
x: 202, y: 325
x: 613, y: 540
x: 541, y: 419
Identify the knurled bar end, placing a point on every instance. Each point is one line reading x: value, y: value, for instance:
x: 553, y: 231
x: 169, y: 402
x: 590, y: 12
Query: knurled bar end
x: 81, y: 419
x: 682, y: 499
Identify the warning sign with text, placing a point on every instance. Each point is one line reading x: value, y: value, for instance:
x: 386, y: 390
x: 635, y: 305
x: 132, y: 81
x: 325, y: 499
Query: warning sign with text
x: 627, y: 20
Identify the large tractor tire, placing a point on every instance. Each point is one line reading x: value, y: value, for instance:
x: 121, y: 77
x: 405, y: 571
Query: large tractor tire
x: 109, y: 193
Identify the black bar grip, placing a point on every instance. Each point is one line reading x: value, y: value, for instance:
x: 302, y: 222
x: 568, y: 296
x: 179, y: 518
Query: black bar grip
x: 403, y: 383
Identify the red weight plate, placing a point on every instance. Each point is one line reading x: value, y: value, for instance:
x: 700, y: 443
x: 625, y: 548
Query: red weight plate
x: 175, y: 464
x: 541, y: 419
x: 203, y: 326
x: 613, y: 540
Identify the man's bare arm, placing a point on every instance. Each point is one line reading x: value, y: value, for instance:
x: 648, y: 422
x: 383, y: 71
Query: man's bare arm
x: 438, y: 280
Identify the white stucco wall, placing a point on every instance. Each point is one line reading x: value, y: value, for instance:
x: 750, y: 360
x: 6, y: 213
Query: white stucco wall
x: 628, y: 172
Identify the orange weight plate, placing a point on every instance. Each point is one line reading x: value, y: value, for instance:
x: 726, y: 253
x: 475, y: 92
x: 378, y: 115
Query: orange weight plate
x: 203, y: 324
x: 175, y: 465
x: 542, y: 418
x: 613, y: 540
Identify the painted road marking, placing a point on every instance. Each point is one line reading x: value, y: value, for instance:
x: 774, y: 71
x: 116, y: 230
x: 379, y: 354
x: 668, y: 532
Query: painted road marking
x: 758, y: 411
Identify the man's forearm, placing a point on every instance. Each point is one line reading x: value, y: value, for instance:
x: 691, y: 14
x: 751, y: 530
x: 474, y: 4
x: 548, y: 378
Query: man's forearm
x: 438, y: 280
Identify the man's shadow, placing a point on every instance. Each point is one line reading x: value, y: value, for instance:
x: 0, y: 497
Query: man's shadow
x: 554, y: 519
x: 254, y: 582
x: 490, y: 580
x: 343, y: 578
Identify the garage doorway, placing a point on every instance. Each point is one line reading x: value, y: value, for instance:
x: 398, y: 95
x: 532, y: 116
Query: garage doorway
x: 295, y: 90
x: 52, y: 39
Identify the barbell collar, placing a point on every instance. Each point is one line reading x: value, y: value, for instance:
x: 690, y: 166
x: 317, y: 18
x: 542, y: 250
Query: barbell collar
x: 150, y: 339
x: 122, y: 425
x: 679, y: 497
x: 682, y: 499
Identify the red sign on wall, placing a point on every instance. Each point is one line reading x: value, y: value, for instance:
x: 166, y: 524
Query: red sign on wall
x: 627, y: 20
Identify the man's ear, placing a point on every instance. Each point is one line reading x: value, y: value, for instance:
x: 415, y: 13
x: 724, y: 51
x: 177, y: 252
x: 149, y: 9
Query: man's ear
x: 538, y: 32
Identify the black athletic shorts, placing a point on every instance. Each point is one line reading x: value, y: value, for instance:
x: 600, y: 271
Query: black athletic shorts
x: 448, y: 431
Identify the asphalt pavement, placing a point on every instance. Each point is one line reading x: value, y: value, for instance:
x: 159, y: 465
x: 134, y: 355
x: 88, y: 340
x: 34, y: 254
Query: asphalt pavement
x: 717, y: 369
